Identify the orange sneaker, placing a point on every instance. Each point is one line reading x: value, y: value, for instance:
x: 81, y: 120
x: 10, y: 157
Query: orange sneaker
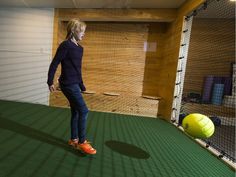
x: 86, y: 147
x: 73, y: 142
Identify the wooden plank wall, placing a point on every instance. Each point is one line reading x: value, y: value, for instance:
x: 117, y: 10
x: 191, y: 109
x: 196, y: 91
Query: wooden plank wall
x: 114, y: 61
x: 211, y: 51
x: 114, y: 58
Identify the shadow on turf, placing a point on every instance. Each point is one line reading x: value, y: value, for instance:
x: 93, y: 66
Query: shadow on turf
x: 127, y: 149
x: 38, y: 135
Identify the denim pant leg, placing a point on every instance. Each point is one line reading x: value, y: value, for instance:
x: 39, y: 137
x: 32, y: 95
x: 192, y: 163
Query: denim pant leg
x: 74, y: 122
x: 74, y: 96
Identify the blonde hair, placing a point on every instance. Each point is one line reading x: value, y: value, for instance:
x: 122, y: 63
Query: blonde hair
x: 72, y: 25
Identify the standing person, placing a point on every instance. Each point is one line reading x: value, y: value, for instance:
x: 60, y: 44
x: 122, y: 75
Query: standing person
x: 69, y: 54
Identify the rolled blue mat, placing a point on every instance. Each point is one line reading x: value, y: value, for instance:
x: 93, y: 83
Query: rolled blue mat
x: 208, y: 83
x: 217, y: 94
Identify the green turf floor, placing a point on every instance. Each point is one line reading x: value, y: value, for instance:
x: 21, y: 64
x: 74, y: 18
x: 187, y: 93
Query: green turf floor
x: 33, y: 143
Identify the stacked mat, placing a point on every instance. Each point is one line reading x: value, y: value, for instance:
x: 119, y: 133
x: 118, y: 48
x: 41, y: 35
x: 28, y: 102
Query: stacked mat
x: 230, y: 101
x: 217, y: 94
x: 215, y: 88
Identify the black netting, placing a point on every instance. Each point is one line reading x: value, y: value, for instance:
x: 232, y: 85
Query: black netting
x: 210, y: 77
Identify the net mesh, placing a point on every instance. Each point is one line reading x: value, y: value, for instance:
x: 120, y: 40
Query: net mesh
x: 210, y: 78
x: 114, y: 68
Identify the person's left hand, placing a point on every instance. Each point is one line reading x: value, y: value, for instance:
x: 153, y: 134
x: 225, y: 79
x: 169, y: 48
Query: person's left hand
x: 82, y: 87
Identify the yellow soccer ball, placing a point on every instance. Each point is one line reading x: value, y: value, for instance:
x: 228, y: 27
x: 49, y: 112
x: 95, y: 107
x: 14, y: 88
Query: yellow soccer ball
x: 198, y: 125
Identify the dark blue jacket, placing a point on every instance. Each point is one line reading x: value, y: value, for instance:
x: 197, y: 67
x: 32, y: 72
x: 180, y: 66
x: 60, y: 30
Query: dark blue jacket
x: 70, y: 56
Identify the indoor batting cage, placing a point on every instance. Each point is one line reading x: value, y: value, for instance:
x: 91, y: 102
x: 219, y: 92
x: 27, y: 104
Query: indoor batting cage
x: 111, y: 88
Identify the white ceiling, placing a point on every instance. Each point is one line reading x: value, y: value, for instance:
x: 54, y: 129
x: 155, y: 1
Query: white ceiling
x: 93, y: 3
x: 217, y: 9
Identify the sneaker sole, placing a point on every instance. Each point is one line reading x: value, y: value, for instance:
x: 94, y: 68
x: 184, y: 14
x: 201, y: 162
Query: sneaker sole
x: 83, y: 151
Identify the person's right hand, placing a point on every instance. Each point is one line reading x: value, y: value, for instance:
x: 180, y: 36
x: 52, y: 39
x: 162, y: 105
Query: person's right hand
x: 52, y: 88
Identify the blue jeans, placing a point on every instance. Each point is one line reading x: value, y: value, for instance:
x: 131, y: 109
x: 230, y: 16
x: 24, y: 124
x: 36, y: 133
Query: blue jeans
x: 79, y: 111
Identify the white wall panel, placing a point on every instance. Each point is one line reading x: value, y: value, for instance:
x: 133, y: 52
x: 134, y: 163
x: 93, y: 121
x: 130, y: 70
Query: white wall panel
x: 26, y: 36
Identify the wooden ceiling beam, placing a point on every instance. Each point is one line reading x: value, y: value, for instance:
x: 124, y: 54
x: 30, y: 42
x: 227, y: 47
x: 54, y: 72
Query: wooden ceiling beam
x: 119, y: 15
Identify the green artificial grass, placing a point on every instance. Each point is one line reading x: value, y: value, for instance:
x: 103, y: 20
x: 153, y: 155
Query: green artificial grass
x: 34, y: 143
